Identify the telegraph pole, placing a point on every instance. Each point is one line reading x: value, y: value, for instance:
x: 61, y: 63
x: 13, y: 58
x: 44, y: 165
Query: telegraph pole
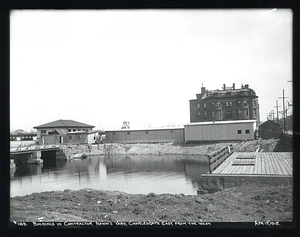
x: 272, y: 115
x: 283, y: 109
x: 277, y: 118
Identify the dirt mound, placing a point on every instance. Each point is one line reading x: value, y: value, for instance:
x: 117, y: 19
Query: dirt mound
x: 241, y: 204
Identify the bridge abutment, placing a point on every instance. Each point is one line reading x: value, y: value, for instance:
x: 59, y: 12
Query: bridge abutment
x: 29, y: 158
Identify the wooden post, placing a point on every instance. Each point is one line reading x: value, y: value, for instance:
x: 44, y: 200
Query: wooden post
x: 209, y: 164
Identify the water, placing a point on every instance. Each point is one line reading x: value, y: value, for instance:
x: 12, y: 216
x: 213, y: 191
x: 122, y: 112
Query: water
x: 132, y: 174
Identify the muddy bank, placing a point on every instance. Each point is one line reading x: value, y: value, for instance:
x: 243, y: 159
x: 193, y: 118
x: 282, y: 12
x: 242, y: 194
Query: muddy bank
x: 238, y: 204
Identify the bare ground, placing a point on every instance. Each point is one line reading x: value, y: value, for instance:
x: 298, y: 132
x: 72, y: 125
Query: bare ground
x: 237, y: 204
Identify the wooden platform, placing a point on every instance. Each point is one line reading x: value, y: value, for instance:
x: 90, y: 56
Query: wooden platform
x: 257, y: 163
x: 245, y: 168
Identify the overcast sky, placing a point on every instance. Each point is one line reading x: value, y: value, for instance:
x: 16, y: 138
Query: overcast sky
x: 103, y: 67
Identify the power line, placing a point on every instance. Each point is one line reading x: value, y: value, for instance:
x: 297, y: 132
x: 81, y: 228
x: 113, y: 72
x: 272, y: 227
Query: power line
x: 284, y: 112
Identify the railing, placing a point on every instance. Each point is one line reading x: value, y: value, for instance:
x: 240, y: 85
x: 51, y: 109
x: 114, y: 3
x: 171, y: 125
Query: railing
x: 22, y: 148
x: 37, y: 147
x: 217, y: 157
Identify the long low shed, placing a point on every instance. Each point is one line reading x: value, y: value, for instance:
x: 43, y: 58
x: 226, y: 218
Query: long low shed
x: 148, y: 135
x: 220, y: 131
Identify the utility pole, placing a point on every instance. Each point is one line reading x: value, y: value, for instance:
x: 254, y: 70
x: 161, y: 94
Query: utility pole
x: 283, y: 109
x: 272, y: 115
x: 277, y: 118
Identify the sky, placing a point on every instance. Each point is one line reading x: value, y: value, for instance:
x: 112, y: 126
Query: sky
x: 104, y: 67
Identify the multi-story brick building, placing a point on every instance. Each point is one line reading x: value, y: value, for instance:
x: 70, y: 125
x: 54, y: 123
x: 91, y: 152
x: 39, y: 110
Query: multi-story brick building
x: 226, y: 104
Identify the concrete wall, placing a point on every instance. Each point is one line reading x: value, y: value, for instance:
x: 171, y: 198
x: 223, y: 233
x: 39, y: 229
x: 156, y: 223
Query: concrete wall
x: 51, y: 139
x: 86, y: 138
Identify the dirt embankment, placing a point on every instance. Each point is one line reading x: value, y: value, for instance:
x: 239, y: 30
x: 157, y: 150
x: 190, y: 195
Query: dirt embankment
x: 258, y: 145
x: 238, y: 204
x: 169, y: 148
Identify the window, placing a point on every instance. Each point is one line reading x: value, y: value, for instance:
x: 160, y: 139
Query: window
x: 239, y: 102
x: 204, y: 105
x: 247, y: 131
x: 239, y: 111
x: 204, y: 114
x: 218, y: 114
x: 128, y: 133
x: 70, y: 137
x: 230, y: 103
x: 198, y: 106
x: 74, y: 130
x: 212, y: 104
x: 245, y: 102
x: 69, y: 130
x: 227, y: 104
x: 198, y: 113
x: 218, y: 104
x: 245, y: 112
x: 213, y: 114
x: 43, y: 131
x: 254, y: 102
x: 254, y: 112
x: 239, y: 131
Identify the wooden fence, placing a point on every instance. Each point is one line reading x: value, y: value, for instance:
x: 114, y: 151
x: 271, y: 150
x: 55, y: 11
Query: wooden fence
x: 217, y: 157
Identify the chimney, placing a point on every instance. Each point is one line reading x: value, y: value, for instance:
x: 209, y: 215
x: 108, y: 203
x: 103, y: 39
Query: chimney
x: 224, y: 87
x: 242, y: 87
x: 202, y: 90
x: 246, y: 86
x: 233, y: 86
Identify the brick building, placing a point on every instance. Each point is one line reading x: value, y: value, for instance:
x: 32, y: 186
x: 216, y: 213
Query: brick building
x: 226, y: 104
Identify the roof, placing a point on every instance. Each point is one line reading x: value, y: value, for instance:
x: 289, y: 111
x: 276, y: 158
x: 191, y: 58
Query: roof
x: 65, y: 124
x: 143, y: 129
x: 23, y: 135
x: 270, y: 121
x: 90, y: 132
x: 221, y: 122
x: 228, y: 93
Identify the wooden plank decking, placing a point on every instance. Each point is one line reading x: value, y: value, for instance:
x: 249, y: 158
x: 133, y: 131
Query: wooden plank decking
x: 260, y: 163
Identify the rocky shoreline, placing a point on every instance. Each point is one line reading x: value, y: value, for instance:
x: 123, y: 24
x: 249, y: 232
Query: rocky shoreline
x: 167, y: 148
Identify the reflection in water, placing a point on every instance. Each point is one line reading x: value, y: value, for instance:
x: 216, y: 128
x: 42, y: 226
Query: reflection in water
x: 132, y: 174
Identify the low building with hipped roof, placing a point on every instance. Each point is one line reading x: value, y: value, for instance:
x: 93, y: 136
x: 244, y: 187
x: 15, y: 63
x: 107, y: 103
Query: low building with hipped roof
x: 67, y: 131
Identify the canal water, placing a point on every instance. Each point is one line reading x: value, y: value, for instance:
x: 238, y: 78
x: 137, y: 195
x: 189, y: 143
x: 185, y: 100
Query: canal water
x: 136, y: 174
